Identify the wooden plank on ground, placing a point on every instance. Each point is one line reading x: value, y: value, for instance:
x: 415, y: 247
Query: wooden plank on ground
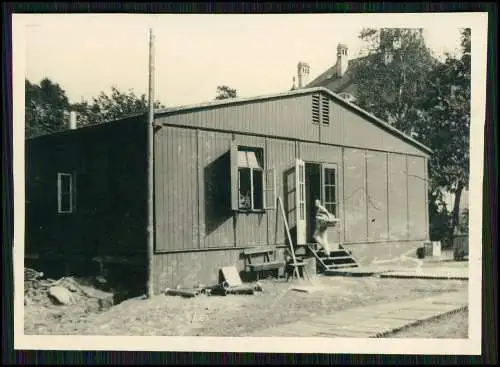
x: 382, y: 324
x: 231, y: 276
x: 410, y: 317
x: 436, y: 308
x: 344, y: 334
x: 371, y: 321
x: 288, y: 332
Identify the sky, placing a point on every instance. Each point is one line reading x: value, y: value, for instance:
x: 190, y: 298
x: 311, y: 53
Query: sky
x: 255, y: 54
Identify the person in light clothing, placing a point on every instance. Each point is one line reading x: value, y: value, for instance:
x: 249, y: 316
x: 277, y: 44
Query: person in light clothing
x: 324, y: 219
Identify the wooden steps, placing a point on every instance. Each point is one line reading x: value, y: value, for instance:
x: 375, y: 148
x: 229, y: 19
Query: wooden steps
x: 337, y: 260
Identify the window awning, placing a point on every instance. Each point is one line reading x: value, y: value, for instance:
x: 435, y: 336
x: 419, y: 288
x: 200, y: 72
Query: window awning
x: 247, y: 159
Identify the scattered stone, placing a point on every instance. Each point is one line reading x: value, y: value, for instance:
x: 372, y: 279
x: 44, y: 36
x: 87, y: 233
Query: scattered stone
x: 257, y: 287
x: 105, y: 299
x: 101, y: 280
x: 105, y: 303
x: 60, y: 295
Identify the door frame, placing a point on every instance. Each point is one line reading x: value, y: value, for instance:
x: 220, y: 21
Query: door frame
x: 302, y: 224
x: 300, y: 202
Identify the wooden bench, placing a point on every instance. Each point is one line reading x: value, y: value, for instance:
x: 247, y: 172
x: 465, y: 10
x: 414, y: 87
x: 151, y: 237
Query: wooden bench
x: 265, y: 254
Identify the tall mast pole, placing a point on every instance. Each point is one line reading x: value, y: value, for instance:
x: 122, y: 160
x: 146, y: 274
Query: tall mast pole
x: 150, y: 138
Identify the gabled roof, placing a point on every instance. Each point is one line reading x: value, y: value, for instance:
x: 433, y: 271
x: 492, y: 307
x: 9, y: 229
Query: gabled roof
x: 346, y: 83
x: 329, y: 78
x: 304, y: 91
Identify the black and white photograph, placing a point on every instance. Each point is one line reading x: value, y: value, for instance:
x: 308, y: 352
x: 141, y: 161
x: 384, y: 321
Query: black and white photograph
x: 249, y: 182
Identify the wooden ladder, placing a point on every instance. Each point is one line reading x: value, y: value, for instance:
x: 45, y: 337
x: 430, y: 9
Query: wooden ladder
x: 295, y: 264
x: 336, y: 260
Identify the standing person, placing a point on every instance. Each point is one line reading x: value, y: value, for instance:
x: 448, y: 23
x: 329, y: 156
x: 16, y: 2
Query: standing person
x: 324, y: 219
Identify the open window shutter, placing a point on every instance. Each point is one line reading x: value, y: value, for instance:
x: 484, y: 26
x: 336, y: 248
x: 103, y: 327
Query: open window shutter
x: 301, y: 201
x: 329, y: 199
x: 270, y: 189
x: 234, y: 175
x: 59, y: 192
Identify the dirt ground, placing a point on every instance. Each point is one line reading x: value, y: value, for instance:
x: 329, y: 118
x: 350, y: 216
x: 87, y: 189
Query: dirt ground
x: 231, y: 315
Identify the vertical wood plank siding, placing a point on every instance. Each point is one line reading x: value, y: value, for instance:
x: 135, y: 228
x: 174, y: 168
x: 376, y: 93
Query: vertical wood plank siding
x: 417, y: 205
x: 109, y: 167
x: 288, y: 118
x: 398, y: 200
x: 357, y: 132
x: 377, y: 195
x: 176, y: 189
x: 291, y: 118
x: 374, y: 196
x: 332, y: 133
x: 355, y: 205
x: 281, y: 156
x: 216, y: 218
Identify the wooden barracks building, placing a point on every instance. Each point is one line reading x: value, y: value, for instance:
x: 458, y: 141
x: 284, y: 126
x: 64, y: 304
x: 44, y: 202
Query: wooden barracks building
x: 218, y: 170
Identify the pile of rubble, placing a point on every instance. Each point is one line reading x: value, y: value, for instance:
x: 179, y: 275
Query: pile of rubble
x: 64, y: 291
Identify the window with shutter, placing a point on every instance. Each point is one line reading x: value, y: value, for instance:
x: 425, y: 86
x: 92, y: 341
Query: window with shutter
x: 252, y: 187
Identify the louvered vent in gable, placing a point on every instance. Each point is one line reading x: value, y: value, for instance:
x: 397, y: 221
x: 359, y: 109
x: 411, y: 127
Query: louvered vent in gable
x: 325, y: 110
x: 315, y: 109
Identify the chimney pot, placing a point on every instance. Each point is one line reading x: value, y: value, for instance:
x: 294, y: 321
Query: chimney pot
x: 342, y: 60
x: 72, y: 120
x: 302, y: 74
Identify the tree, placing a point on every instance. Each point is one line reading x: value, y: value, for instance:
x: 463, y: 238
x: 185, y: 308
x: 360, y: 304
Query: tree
x: 106, y: 108
x: 46, y: 107
x: 225, y: 92
x: 402, y: 83
x: 393, y: 78
x: 446, y: 124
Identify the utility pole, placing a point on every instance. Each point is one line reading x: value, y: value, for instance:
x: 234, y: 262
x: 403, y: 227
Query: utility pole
x: 150, y: 140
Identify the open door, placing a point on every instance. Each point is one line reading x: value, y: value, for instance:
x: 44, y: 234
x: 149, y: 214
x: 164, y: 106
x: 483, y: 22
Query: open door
x: 300, y: 184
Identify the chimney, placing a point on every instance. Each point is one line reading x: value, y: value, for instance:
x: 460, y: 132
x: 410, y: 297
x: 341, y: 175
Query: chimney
x: 72, y: 120
x: 302, y: 74
x: 342, y: 60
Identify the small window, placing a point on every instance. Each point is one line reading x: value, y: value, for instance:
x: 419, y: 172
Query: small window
x: 330, y: 188
x: 347, y: 97
x: 253, y: 187
x: 65, y: 193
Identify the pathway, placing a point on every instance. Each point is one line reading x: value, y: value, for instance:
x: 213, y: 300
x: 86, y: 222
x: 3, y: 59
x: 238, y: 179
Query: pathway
x: 371, y: 321
x: 429, y: 273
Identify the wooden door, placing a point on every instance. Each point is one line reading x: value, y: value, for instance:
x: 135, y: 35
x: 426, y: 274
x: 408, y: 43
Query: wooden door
x: 300, y: 185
